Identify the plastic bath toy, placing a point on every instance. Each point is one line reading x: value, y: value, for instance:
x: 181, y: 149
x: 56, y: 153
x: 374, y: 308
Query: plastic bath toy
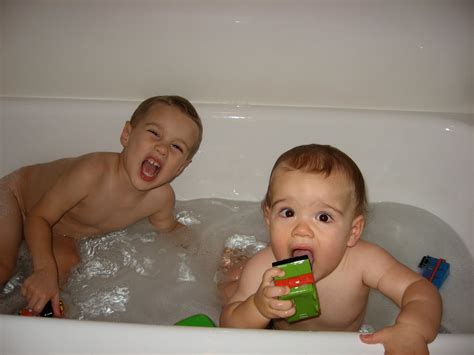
x: 299, y: 277
x: 197, y: 320
x: 435, y: 270
x: 46, y: 312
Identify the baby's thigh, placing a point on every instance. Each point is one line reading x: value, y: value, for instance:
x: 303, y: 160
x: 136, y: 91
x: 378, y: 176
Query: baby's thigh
x: 66, y: 255
x: 230, y: 268
x: 11, y: 228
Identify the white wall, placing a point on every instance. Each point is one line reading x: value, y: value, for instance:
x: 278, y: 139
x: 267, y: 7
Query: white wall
x: 383, y: 54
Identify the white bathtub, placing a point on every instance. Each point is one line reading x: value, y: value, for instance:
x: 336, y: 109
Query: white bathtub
x: 420, y: 159
x: 389, y: 82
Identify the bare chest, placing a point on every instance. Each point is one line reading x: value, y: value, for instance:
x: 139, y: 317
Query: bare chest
x: 104, y: 212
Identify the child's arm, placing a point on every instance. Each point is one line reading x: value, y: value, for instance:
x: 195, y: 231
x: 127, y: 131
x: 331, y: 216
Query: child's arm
x: 164, y: 219
x: 420, y: 305
x: 254, y: 309
x: 42, y: 285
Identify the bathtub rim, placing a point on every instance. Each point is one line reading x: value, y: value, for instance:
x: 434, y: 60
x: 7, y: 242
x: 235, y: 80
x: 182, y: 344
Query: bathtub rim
x: 22, y: 335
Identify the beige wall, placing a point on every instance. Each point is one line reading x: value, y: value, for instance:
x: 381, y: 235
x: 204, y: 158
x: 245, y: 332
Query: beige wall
x: 389, y: 54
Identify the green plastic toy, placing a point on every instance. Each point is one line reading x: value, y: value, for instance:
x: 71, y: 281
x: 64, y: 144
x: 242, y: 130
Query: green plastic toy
x: 299, y: 277
x: 197, y: 320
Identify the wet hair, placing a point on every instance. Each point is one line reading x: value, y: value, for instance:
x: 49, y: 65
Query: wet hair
x: 321, y: 159
x: 172, y: 100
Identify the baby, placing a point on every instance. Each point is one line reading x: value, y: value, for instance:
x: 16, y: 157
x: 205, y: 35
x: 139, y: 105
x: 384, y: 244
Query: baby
x: 314, y: 206
x: 54, y: 203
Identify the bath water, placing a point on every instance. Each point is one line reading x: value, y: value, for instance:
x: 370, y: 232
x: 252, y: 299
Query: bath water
x: 138, y: 275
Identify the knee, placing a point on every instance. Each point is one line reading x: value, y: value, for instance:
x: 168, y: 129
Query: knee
x: 6, y: 272
x: 226, y: 290
x: 70, y: 261
x: 66, y: 261
x: 65, y: 264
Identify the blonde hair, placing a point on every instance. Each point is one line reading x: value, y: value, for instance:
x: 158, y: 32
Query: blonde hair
x: 321, y: 159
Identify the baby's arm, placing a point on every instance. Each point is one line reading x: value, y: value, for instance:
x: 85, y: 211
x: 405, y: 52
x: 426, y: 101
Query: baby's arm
x: 70, y: 188
x: 420, y: 305
x: 164, y: 219
x: 256, y: 301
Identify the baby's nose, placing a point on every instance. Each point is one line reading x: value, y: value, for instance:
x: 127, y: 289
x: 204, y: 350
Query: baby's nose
x: 302, y: 229
x: 161, y: 148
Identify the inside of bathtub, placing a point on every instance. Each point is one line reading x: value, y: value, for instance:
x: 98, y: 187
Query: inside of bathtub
x: 139, y: 276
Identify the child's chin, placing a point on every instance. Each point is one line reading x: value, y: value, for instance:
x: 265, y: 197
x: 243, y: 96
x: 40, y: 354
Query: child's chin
x: 147, y: 179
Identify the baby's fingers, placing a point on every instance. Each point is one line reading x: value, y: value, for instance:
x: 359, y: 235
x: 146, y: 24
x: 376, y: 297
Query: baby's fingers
x: 281, y: 305
x: 281, y: 308
x: 270, y: 274
x: 37, y: 304
x: 56, y: 307
x: 374, y: 338
x: 275, y: 291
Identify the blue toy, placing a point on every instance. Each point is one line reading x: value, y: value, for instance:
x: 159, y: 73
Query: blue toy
x: 435, y: 270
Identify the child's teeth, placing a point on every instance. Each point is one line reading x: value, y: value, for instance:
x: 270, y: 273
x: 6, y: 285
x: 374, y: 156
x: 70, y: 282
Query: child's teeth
x: 153, y: 162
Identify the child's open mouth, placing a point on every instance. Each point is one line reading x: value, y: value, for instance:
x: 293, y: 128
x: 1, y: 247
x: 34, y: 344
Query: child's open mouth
x: 301, y: 252
x: 150, y: 169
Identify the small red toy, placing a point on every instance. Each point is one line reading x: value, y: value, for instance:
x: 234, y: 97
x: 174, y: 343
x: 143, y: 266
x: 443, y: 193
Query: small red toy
x: 46, y: 312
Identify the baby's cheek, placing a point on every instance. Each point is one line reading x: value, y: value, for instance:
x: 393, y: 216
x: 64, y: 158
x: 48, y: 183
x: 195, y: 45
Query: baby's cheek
x: 326, y: 262
x: 279, y: 250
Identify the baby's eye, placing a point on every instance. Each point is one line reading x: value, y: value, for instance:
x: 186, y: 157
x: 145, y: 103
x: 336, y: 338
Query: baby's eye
x: 155, y: 133
x: 324, y: 217
x: 176, y: 146
x: 287, y: 213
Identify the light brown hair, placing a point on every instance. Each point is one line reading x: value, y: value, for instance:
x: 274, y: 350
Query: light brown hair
x: 172, y: 100
x: 321, y: 159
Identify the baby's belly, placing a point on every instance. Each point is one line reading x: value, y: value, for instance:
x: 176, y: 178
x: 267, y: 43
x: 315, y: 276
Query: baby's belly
x: 319, y: 324
x: 79, y: 225
x: 334, y: 317
x: 79, y: 231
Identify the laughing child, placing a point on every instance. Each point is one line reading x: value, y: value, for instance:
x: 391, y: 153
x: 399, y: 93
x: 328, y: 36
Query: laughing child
x: 52, y: 204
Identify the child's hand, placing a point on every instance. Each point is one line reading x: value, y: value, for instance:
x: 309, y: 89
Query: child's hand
x: 266, y: 298
x: 398, y: 339
x: 41, y: 287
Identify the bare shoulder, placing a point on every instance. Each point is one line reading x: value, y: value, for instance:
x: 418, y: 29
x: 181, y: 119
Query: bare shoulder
x: 370, y: 255
x: 98, y: 160
x: 261, y: 261
x: 163, y: 197
x: 378, y: 265
x: 252, y: 273
x: 364, y: 249
x: 92, y: 166
x: 164, y: 191
x: 161, y: 202
x: 42, y: 176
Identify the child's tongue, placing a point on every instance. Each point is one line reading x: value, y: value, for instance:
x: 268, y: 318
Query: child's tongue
x: 149, y: 170
x: 301, y: 252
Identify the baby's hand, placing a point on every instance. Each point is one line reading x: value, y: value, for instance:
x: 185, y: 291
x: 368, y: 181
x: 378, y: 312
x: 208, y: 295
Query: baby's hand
x: 398, y: 339
x: 41, y: 287
x: 266, y: 298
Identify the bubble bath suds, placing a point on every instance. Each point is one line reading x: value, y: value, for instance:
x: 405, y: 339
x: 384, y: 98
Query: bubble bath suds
x: 138, y: 275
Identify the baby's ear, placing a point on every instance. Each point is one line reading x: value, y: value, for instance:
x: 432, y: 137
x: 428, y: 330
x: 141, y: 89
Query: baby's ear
x: 266, y: 214
x: 127, y: 129
x: 356, y: 230
x: 182, y: 167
